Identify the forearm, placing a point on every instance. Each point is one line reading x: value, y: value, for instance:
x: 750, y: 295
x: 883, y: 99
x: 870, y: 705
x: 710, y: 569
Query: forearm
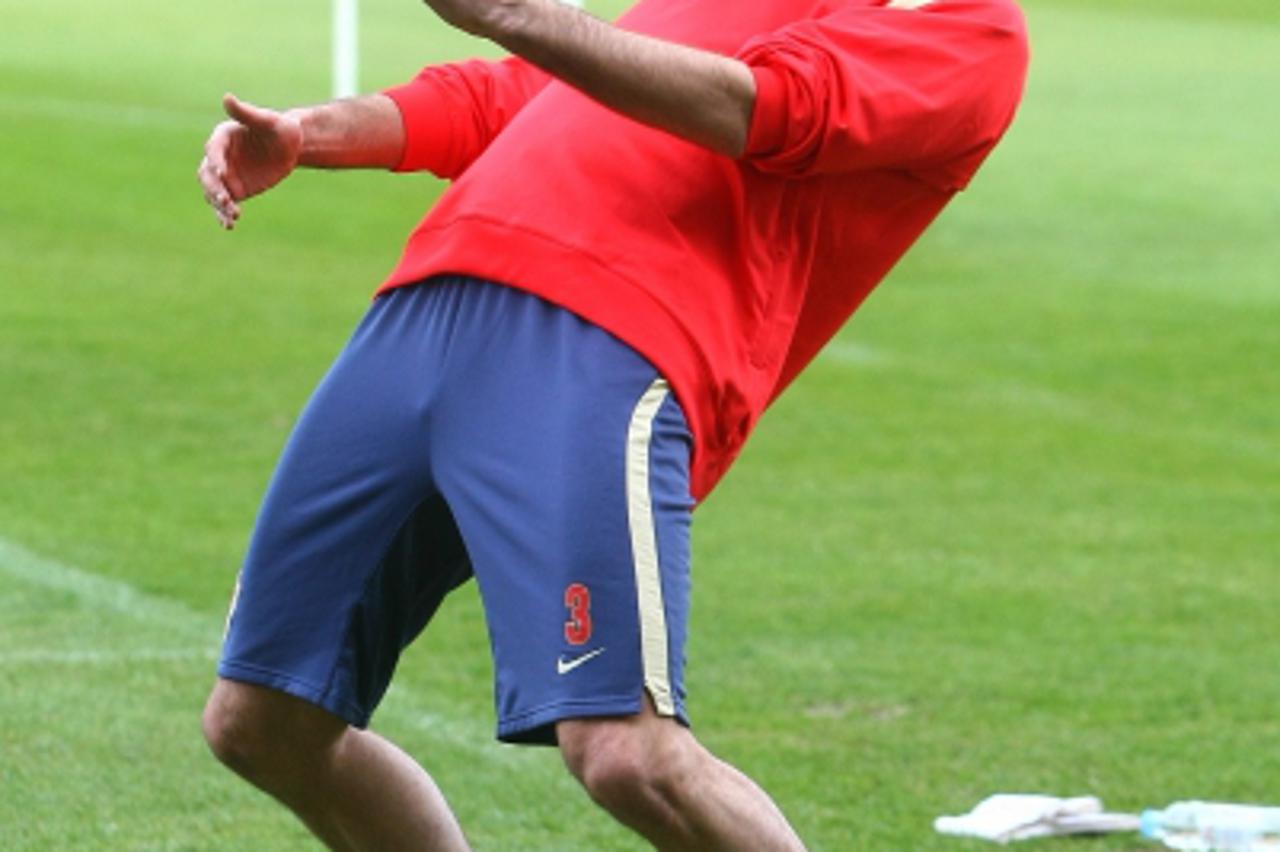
x: 364, y: 132
x: 700, y: 96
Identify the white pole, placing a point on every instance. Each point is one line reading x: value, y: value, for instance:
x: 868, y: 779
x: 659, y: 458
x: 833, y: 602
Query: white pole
x: 346, y: 49
x: 346, y: 46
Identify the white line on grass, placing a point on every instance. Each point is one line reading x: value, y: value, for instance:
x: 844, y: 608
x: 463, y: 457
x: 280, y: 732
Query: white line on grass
x: 102, y: 593
x: 1079, y: 408
x: 89, y: 657
x: 80, y: 110
x: 474, y: 736
x: 850, y: 353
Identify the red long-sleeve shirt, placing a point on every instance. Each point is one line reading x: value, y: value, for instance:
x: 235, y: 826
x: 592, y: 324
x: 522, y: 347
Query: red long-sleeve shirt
x: 729, y: 275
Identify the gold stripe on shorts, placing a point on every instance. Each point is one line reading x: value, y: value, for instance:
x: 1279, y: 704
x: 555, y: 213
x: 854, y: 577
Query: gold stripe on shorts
x: 644, y: 549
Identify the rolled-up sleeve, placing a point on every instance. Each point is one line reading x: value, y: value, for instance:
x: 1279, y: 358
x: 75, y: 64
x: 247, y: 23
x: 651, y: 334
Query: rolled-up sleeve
x: 452, y: 112
x: 927, y: 90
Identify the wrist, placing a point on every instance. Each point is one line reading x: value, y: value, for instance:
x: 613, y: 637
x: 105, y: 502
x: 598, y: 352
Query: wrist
x: 305, y: 122
x: 512, y: 23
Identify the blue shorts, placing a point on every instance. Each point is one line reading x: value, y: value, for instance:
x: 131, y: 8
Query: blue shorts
x: 470, y: 429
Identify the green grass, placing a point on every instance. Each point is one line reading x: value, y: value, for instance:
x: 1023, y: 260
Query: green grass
x: 1017, y: 530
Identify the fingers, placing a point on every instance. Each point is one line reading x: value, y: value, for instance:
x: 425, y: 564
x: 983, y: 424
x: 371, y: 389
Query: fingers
x: 212, y: 175
x: 217, y: 196
x: 224, y: 185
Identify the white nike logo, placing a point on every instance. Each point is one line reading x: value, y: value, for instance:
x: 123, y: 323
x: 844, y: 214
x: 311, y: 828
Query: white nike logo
x: 564, y: 666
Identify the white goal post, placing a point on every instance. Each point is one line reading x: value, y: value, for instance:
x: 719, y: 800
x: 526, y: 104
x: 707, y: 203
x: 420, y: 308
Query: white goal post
x: 346, y: 49
x: 346, y: 46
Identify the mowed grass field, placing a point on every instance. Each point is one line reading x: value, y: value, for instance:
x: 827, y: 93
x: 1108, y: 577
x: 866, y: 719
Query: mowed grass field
x: 1018, y: 529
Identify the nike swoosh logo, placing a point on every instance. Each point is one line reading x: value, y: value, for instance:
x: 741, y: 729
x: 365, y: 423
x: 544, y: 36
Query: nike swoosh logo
x: 563, y: 666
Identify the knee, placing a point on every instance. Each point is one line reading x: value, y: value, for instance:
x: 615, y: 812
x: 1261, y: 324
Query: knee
x: 625, y: 762
x: 259, y: 732
x: 236, y: 727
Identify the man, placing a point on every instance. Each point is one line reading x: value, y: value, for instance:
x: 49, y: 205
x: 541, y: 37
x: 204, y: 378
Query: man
x: 653, y: 227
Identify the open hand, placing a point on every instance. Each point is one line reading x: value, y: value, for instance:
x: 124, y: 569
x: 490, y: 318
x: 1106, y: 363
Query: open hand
x: 247, y: 155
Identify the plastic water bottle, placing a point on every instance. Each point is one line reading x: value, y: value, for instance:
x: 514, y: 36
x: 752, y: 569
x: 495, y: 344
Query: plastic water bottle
x: 1214, y: 827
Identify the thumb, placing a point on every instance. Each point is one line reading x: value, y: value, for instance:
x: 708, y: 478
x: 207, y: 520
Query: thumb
x: 248, y: 114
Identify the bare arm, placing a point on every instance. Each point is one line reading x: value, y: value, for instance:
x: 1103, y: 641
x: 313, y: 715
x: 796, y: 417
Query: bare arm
x: 700, y: 96
x: 257, y: 148
x: 357, y: 133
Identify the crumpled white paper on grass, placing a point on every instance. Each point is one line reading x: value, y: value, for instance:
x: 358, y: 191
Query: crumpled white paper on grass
x: 1005, y: 817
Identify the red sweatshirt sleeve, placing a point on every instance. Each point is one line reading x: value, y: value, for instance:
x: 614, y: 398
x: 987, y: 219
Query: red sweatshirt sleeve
x: 452, y: 112
x: 928, y: 90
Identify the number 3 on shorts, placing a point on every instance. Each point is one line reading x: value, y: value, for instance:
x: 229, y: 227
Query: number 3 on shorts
x: 577, y: 630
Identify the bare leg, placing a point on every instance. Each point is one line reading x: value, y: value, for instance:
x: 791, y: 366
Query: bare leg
x: 655, y: 778
x: 352, y: 789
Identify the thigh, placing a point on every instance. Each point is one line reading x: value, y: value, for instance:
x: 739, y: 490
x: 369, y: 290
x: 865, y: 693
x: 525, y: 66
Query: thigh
x: 565, y: 458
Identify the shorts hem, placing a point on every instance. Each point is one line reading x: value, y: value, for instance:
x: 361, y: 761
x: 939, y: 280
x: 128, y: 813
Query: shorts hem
x: 537, y: 727
x: 290, y: 685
